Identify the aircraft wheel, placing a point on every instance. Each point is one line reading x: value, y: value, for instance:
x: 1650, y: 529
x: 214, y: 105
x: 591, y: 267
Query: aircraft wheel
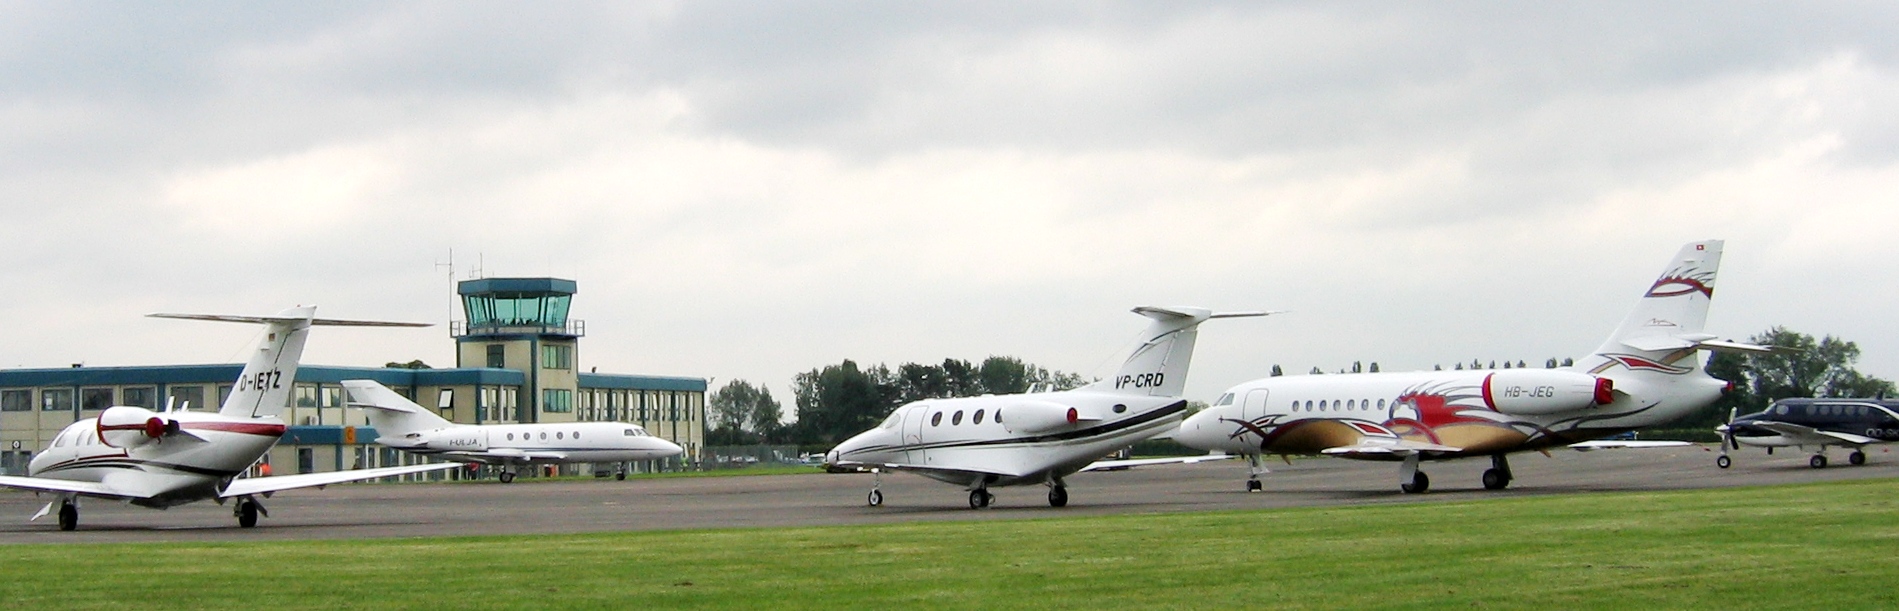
x: 619, y: 475
x: 507, y: 477
x: 1058, y: 496
x: 1818, y: 461
x: 1495, y: 480
x: 1419, y: 483
x: 876, y: 498
x: 1723, y: 461
x: 68, y: 516
x: 979, y: 499
x: 247, y: 514
x: 1856, y: 458
x: 1253, y: 485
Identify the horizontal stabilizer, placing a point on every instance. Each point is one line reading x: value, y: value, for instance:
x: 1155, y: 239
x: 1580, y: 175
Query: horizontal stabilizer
x: 1625, y: 444
x: 1109, y: 465
x: 320, y: 322
x: 275, y: 483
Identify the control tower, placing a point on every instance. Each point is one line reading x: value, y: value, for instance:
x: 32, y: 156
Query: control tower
x: 522, y: 324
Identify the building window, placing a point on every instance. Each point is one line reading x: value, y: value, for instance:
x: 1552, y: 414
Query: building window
x: 183, y: 397
x: 306, y: 460
x: 445, y: 402
x: 141, y: 396
x: 306, y: 395
x: 224, y: 394
x: 497, y: 356
x: 558, y: 400
x: 56, y: 400
x: 557, y: 357
x: 16, y: 400
x: 333, y: 396
x: 95, y: 398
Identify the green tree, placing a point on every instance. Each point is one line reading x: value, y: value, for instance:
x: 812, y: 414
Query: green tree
x: 1802, y: 367
x: 740, y: 413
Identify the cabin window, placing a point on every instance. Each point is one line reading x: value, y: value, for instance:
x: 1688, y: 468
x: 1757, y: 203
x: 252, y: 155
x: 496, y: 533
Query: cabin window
x: 1351, y: 404
x: 1120, y: 408
x: 957, y: 418
x: 543, y: 435
x: 977, y: 418
x: 1381, y: 404
x: 510, y: 436
x: 936, y: 419
x: 560, y: 435
x: 998, y: 416
x: 629, y: 433
x: 1308, y: 405
x: 1322, y: 405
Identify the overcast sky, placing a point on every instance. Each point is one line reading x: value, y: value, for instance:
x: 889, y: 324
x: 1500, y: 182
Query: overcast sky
x: 751, y: 190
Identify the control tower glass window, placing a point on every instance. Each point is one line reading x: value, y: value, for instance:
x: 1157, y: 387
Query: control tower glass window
x: 517, y: 310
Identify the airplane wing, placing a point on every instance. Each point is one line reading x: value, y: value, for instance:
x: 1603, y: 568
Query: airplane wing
x: 1387, y: 449
x: 1811, y: 436
x: 47, y: 484
x: 507, y: 454
x: 1623, y: 444
x: 275, y: 483
x: 1108, y: 465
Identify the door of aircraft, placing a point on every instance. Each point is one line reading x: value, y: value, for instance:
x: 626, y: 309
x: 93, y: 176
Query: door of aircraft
x: 913, y: 430
x: 1255, y: 406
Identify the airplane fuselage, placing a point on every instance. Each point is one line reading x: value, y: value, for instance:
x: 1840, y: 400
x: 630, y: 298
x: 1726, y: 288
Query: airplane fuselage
x: 1873, y: 419
x: 191, y: 464
x: 600, y: 442
x: 1472, y: 412
x: 1009, y: 439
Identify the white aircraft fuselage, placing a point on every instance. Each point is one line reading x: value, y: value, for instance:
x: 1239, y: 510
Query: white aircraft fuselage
x: 1011, y: 439
x: 186, y: 462
x: 576, y: 441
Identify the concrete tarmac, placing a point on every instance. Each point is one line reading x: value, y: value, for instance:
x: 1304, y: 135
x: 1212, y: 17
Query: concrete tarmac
x: 356, y: 511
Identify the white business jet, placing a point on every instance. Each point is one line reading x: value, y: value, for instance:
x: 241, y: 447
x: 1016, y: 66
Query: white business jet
x: 1648, y: 372
x: 163, y: 459
x: 403, y: 425
x: 1039, y: 438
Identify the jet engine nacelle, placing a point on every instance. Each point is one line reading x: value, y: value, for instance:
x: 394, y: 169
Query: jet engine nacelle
x: 1038, y: 417
x: 1530, y: 392
x: 125, y: 426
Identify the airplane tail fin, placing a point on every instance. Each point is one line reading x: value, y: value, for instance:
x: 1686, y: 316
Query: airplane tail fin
x: 263, y: 388
x: 1663, y: 334
x: 392, y: 414
x: 1158, y: 366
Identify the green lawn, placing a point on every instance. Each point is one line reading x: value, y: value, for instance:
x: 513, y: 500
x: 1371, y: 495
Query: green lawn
x: 1832, y: 545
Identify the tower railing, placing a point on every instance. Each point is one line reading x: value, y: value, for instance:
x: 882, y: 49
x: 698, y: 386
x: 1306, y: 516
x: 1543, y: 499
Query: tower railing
x: 573, y: 328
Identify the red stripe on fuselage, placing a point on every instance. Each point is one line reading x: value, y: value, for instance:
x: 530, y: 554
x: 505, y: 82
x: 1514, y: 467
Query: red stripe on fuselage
x: 1488, y: 401
x: 245, y: 428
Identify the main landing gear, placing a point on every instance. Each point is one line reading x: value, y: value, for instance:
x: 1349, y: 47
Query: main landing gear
x: 1057, y: 494
x: 247, y: 511
x: 980, y: 498
x: 1410, y: 479
x: 1255, y: 467
x: 506, y: 476
x: 68, y: 514
x: 1497, y: 477
x: 1857, y: 458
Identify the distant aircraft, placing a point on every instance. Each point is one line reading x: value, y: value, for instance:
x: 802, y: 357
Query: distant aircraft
x: 1039, y: 438
x: 1813, y: 423
x: 403, y: 425
x: 1648, y: 372
x: 163, y: 459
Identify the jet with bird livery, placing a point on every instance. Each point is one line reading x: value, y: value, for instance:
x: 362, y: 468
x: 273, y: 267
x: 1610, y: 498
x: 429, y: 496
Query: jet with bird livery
x: 161, y: 459
x: 1648, y: 372
x: 1039, y: 437
x: 1813, y: 423
x: 404, y: 425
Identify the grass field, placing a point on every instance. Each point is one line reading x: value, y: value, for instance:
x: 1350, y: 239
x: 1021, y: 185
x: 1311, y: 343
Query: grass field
x: 1829, y: 545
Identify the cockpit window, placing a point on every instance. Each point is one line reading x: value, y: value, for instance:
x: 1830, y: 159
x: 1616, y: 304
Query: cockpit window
x: 893, y: 420
x: 1226, y: 399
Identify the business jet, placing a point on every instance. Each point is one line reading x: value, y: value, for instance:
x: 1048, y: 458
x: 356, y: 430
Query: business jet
x: 1039, y: 438
x: 403, y: 425
x: 1647, y: 372
x: 165, y: 459
x: 1813, y: 423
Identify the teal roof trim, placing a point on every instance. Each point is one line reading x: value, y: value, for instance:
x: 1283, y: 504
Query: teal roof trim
x: 555, y: 286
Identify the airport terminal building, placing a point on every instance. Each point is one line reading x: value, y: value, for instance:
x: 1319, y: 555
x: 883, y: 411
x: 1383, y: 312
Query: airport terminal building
x: 517, y: 360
